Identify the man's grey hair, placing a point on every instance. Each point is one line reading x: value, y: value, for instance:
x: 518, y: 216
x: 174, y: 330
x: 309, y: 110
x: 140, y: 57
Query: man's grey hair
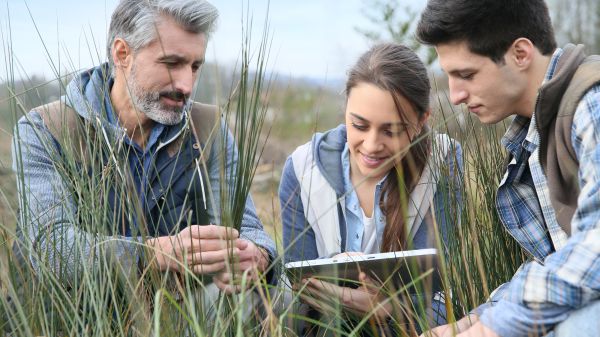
x: 135, y: 20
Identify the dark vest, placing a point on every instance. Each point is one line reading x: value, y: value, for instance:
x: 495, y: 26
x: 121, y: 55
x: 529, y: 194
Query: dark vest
x: 557, y: 101
x: 177, y: 185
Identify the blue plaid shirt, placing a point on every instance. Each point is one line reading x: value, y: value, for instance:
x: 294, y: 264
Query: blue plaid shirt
x: 564, y: 273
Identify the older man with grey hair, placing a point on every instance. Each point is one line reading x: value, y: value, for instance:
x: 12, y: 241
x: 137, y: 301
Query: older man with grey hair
x: 124, y: 164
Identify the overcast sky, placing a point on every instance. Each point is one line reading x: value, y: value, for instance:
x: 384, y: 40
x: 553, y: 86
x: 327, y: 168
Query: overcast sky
x: 311, y: 38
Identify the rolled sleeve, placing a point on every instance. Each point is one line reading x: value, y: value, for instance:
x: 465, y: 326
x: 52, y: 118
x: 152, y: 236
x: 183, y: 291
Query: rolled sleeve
x: 509, y: 319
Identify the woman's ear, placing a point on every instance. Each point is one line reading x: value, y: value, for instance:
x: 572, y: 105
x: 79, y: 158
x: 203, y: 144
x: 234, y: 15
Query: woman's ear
x: 423, y: 120
x: 121, y: 54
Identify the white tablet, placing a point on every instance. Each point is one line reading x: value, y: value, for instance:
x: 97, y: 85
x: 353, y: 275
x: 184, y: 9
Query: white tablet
x: 400, y: 269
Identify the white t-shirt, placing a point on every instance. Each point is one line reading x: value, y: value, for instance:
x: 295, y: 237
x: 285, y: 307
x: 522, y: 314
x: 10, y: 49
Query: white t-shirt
x: 369, y: 239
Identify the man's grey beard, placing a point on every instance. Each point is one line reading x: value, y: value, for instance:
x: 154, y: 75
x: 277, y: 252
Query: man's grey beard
x: 148, y: 102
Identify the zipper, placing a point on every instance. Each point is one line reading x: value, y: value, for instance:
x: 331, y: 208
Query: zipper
x: 162, y: 144
x: 537, y: 128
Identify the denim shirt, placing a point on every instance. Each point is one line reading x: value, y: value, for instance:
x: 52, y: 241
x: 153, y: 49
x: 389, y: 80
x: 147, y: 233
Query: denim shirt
x: 140, y: 160
x: 354, y: 219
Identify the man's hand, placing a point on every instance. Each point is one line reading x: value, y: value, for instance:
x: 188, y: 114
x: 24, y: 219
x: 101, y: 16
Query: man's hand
x: 478, y: 330
x: 201, y: 249
x: 250, y: 259
x: 453, y: 329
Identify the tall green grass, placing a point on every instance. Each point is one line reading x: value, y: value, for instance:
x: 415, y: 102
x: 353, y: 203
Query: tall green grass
x: 102, y: 296
x: 482, y: 255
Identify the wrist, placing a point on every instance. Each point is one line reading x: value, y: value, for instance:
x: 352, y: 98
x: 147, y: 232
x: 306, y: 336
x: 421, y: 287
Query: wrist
x: 156, y: 256
x: 264, y: 259
x: 269, y: 269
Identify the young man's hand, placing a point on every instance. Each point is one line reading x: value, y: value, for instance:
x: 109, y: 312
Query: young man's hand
x: 453, y: 329
x: 201, y: 249
x: 478, y: 330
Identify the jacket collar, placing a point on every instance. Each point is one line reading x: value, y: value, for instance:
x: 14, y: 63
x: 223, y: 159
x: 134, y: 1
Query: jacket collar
x: 89, y: 95
x: 550, y: 93
x: 328, y: 148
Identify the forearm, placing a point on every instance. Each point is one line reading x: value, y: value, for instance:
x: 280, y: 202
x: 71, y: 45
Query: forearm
x: 538, y: 298
x: 508, y: 319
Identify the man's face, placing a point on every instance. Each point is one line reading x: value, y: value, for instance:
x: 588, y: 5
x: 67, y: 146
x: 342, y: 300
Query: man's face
x: 490, y: 90
x: 163, y: 73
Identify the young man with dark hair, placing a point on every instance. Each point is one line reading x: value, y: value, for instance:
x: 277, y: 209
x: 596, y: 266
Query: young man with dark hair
x: 501, y: 59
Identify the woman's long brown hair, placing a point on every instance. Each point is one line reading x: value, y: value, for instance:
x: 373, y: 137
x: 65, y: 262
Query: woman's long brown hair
x: 398, y: 70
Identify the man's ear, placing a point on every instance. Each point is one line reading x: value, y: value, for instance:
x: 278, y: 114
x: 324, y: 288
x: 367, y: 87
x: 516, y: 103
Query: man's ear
x: 522, y: 52
x: 122, y: 55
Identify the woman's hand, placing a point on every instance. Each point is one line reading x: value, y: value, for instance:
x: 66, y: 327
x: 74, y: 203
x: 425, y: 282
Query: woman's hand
x: 366, y: 299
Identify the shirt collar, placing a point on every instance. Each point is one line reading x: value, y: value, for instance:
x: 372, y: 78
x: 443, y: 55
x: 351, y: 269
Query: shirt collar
x: 515, y: 134
x: 532, y: 139
x: 553, y: 64
x: 111, y: 117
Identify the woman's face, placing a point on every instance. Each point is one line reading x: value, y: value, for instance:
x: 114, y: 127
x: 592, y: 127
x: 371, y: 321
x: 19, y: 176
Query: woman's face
x: 378, y: 137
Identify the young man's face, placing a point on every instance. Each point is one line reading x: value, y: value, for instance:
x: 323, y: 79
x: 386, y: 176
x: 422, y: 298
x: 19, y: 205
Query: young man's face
x: 490, y: 90
x: 163, y: 73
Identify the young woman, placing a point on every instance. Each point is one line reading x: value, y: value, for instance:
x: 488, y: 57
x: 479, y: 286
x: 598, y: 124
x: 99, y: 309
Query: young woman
x: 380, y: 182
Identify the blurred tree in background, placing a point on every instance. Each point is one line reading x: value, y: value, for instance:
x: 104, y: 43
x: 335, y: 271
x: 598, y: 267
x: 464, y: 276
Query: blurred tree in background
x: 395, y: 20
x: 577, y: 21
